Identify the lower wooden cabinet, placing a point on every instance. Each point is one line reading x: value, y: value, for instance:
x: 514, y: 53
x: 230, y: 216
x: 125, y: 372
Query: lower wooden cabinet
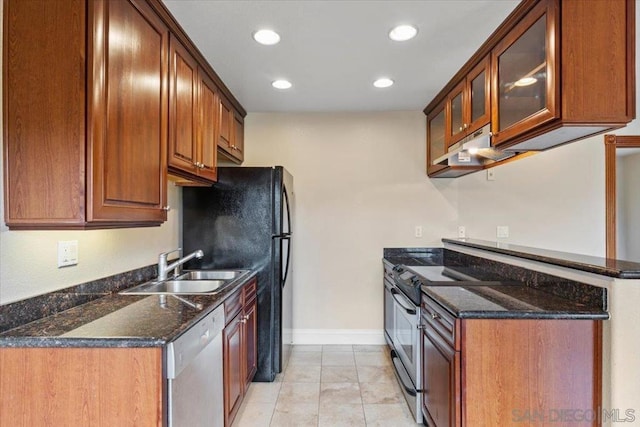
x: 493, y: 372
x: 239, y: 348
x: 81, y: 387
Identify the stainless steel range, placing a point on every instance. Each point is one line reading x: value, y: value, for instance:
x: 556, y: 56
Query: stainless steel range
x: 402, y: 326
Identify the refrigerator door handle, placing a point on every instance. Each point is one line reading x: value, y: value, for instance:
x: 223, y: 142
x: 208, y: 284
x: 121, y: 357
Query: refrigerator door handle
x: 286, y: 268
x: 281, y: 236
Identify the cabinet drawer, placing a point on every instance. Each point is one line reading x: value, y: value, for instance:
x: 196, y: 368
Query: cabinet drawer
x: 233, y: 305
x: 440, y: 320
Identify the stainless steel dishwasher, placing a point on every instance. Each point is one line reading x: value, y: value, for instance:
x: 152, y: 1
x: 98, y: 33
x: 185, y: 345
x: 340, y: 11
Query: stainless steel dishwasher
x: 194, y: 374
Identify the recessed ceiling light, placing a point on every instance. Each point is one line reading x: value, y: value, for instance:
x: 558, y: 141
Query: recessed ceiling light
x: 266, y: 37
x: 383, y: 82
x: 403, y: 33
x: 526, y: 81
x: 281, y: 84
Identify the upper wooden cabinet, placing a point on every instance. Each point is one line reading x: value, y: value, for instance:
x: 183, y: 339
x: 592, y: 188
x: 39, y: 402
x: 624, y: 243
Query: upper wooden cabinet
x: 97, y: 108
x: 468, y: 104
x: 231, y: 136
x: 85, y: 114
x: 565, y: 71
x: 193, y: 122
x: 553, y: 72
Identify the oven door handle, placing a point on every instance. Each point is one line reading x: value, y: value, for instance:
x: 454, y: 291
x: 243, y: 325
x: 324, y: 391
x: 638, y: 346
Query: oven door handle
x: 396, y: 293
x: 402, y: 375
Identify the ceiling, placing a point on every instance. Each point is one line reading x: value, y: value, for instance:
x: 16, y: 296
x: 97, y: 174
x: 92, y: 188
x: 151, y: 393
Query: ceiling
x: 332, y: 50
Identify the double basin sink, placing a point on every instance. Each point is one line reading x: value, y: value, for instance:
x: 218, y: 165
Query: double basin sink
x: 193, y: 282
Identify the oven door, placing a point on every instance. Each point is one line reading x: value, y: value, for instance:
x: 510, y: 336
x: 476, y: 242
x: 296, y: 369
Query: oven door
x: 406, y: 338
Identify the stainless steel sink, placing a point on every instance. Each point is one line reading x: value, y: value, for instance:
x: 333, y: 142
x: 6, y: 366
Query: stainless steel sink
x: 211, y: 274
x: 194, y: 282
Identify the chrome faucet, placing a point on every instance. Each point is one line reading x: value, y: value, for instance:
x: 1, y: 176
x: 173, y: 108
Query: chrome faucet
x: 164, y: 269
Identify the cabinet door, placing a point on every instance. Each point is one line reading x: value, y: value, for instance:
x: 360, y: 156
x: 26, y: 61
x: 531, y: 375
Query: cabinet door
x: 238, y: 137
x: 478, y: 86
x: 525, y: 81
x: 183, y: 108
x: 207, y: 135
x: 250, y: 338
x: 127, y: 103
x: 456, y: 127
x: 44, y: 118
x: 225, y: 125
x: 436, y: 145
x: 440, y: 380
x: 233, y: 369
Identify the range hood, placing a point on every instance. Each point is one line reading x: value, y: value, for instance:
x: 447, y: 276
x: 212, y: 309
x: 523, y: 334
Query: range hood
x: 474, y: 150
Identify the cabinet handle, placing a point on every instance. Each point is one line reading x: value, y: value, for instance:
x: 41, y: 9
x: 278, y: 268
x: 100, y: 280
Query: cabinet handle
x: 435, y: 316
x: 166, y: 208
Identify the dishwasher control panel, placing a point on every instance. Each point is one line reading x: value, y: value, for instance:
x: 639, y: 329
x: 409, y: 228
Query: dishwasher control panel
x: 187, y: 346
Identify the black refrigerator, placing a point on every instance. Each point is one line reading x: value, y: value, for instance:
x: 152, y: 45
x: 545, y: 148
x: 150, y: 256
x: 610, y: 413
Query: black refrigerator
x: 244, y: 221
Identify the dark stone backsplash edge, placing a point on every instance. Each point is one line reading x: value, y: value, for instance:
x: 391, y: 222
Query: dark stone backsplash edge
x: 25, y: 311
x: 414, y: 256
x: 486, y: 269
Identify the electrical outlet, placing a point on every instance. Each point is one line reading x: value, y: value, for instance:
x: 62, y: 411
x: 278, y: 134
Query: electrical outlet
x: 418, y: 231
x: 67, y: 253
x: 462, y: 231
x: 491, y: 174
x: 502, y: 231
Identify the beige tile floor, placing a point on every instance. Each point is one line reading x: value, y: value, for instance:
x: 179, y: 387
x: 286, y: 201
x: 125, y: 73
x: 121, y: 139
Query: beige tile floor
x: 330, y: 385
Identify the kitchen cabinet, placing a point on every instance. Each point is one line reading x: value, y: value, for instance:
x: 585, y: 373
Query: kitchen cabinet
x: 239, y: 347
x: 507, y: 369
x: 81, y: 386
x: 85, y: 143
x: 558, y: 71
x: 549, y: 82
x: 193, y: 118
x: 231, y: 135
x: 468, y: 104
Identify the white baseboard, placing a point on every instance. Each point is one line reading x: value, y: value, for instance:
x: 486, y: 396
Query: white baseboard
x: 338, y: 336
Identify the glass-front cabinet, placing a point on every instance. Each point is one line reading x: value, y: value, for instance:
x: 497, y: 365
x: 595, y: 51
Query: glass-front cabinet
x: 436, y: 133
x: 468, y: 104
x: 525, y: 87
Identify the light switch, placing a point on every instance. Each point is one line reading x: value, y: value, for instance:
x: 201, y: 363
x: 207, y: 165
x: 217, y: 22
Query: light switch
x: 67, y: 253
x: 418, y: 231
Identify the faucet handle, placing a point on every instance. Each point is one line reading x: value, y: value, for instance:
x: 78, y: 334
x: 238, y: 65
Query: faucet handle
x: 164, y: 255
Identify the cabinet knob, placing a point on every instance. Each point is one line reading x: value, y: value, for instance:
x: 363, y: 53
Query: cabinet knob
x: 166, y: 208
x: 466, y: 126
x: 435, y: 316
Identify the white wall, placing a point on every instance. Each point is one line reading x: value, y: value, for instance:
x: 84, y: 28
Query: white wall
x: 553, y: 200
x: 28, y: 259
x: 360, y: 186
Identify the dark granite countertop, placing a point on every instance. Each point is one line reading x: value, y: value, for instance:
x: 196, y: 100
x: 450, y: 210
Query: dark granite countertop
x: 604, y: 266
x: 473, y: 287
x: 508, y: 301
x: 116, y: 320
